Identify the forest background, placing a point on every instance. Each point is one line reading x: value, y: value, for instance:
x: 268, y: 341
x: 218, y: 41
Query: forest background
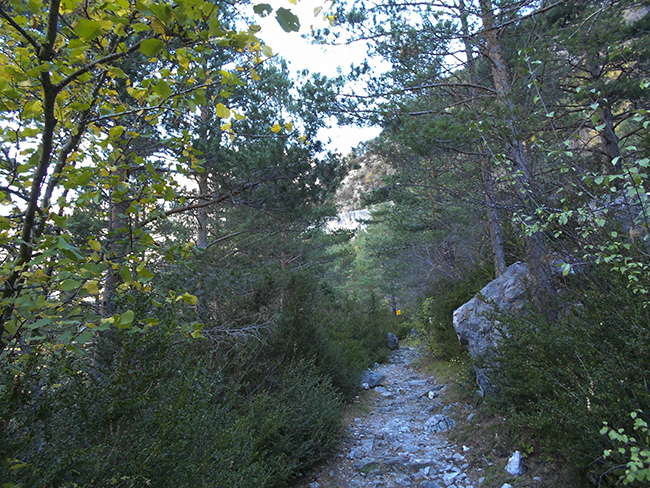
x: 161, y: 332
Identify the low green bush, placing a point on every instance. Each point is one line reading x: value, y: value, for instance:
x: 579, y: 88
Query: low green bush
x: 565, y: 378
x: 342, y: 337
x: 296, y: 424
x: 159, y: 408
x: 124, y: 419
x: 157, y: 412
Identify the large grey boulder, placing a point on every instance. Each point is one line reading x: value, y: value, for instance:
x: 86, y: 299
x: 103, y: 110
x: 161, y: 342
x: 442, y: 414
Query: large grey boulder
x: 476, y: 330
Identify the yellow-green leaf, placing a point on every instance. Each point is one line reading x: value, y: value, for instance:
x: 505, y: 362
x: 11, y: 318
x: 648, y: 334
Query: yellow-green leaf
x: 276, y: 128
x: 59, y: 220
x: 85, y: 336
x: 69, y: 285
x: 190, y: 299
x: 158, y: 27
x: 10, y: 326
x: 125, y: 273
x: 125, y: 320
x: 145, y: 274
x: 163, y: 89
x: 116, y: 131
x: 92, y: 287
x: 181, y: 56
x: 68, y: 6
x: 222, y: 111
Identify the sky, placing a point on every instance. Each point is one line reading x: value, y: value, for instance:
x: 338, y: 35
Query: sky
x: 301, y: 54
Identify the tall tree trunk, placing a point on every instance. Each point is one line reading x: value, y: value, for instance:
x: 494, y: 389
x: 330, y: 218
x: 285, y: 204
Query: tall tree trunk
x: 496, y: 235
x: 610, y: 139
x: 118, y: 221
x: 202, y: 214
x: 536, y: 254
x: 435, y: 194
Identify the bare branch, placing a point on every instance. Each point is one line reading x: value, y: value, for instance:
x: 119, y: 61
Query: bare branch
x: 207, y: 203
x: 532, y: 14
x: 226, y: 237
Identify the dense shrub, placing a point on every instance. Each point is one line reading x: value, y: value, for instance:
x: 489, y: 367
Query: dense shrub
x: 124, y: 420
x: 158, y: 408
x: 565, y: 378
x: 157, y: 412
x: 342, y: 337
x: 296, y: 424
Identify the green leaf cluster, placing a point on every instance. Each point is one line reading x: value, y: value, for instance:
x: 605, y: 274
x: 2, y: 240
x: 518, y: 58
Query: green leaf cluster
x: 638, y: 467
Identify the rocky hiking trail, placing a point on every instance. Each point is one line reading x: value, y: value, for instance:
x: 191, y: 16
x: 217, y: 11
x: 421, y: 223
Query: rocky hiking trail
x: 402, y: 439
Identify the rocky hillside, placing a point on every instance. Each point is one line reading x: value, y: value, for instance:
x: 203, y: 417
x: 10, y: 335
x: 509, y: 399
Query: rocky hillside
x: 368, y: 171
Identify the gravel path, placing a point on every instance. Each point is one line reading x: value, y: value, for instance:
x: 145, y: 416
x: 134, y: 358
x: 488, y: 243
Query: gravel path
x: 402, y: 441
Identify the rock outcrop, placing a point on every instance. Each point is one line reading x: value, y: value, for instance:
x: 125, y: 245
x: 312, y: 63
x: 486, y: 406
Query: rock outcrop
x: 476, y: 330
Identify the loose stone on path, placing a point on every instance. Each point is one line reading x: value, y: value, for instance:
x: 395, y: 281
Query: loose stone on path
x: 402, y: 441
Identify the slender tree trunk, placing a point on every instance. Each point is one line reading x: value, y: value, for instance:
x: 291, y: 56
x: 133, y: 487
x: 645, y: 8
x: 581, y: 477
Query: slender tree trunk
x: 434, y: 195
x: 536, y: 254
x: 13, y: 284
x: 608, y: 135
x: 202, y: 311
x: 498, y: 248
x: 202, y: 213
x: 496, y: 235
x: 610, y: 139
x: 118, y: 221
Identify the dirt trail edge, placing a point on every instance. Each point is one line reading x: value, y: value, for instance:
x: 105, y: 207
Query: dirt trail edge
x: 402, y: 441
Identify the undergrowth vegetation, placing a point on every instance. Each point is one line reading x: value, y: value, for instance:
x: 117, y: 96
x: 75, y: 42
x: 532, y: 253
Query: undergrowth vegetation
x: 563, y: 379
x: 433, y: 321
x: 163, y: 409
